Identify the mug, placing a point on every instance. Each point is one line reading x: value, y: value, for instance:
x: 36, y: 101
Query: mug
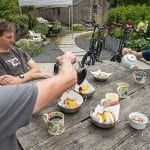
x: 55, y: 123
x: 139, y: 76
x: 110, y: 99
x: 122, y: 89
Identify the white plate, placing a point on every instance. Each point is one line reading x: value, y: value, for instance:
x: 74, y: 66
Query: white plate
x: 103, y: 78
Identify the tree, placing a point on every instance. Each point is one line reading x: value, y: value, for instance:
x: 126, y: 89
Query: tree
x: 114, y: 3
x: 10, y: 11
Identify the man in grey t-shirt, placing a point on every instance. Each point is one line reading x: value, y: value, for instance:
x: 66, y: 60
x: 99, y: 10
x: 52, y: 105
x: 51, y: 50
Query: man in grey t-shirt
x: 16, y: 66
x: 19, y: 102
x: 16, y: 110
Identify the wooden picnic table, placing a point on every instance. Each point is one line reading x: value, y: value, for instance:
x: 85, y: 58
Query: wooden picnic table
x: 80, y: 133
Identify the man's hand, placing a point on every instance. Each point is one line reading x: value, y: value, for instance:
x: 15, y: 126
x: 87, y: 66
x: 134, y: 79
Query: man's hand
x: 126, y: 51
x: 69, y: 57
x: 9, y: 79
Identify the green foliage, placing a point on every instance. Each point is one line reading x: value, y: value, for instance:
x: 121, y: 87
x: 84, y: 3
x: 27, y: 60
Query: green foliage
x: 31, y: 47
x: 32, y: 21
x: 139, y: 44
x: 115, y: 3
x: 41, y: 28
x: 32, y: 14
x: 133, y: 14
x: 117, y: 33
x: 10, y: 11
x: 77, y: 27
x: 139, y: 41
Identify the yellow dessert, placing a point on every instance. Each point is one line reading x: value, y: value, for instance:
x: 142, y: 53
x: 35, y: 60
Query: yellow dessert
x: 70, y: 103
x: 99, y: 116
x: 83, y: 88
x: 106, y: 117
x: 102, y: 75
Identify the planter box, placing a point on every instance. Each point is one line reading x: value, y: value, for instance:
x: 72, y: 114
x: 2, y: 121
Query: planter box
x: 111, y: 43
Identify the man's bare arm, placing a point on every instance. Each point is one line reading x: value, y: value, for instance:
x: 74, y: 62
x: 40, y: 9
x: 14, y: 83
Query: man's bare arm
x: 50, y: 89
x: 33, y: 73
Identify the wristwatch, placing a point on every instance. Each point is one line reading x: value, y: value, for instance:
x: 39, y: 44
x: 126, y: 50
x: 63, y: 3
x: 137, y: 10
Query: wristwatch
x: 21, y: 76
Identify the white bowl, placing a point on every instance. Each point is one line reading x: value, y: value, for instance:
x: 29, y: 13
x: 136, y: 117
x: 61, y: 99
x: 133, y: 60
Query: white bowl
x: 138, y: 120
x: 100, y: 109
x: 72, y: 95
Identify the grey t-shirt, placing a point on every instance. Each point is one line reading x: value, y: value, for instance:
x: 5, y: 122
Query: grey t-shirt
x: 16, y: 107
x: 14, y: 62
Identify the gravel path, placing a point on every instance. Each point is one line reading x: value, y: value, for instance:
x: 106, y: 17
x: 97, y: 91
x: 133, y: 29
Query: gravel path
x: 51, y: 51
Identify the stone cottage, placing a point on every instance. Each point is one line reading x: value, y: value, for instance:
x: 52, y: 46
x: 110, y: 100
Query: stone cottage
x: 82, y: 9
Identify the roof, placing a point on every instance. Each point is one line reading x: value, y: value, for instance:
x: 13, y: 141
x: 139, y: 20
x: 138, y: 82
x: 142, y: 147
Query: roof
x: 45, y: 3
x: 50, y: 3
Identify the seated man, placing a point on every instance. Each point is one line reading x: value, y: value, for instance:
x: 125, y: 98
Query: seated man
x: 143, y: 54
x: 16, y: 66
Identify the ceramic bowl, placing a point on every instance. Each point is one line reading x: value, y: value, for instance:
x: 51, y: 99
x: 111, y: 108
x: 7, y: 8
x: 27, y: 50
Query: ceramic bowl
x: 71, y: 95
x: 100, y: 79
x: 89, y: 93
x: 138, y: 120
x: 112, y: 115
x: 100, y: 124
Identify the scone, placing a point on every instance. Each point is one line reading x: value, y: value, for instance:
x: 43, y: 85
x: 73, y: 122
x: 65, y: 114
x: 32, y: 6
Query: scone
x: 70, y: 103
x: 83, y: 88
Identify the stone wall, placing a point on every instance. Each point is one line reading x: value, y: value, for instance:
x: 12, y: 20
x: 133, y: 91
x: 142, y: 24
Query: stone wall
x: 82, y: 10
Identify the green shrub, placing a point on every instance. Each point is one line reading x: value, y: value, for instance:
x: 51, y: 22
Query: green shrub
x: 139, y: 44
x: 132, y: 14
x: 28, y: 45
x: 10, y: 11
x: 114, y: 3
x: 77, y: 27
x: 41, y: 28
x: 117, y: 33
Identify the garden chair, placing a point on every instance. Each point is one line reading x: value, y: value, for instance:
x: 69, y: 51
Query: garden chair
x: 35, y: 36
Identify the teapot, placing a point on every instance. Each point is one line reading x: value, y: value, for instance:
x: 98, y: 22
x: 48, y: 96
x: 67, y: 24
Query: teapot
x: 129, y: 61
